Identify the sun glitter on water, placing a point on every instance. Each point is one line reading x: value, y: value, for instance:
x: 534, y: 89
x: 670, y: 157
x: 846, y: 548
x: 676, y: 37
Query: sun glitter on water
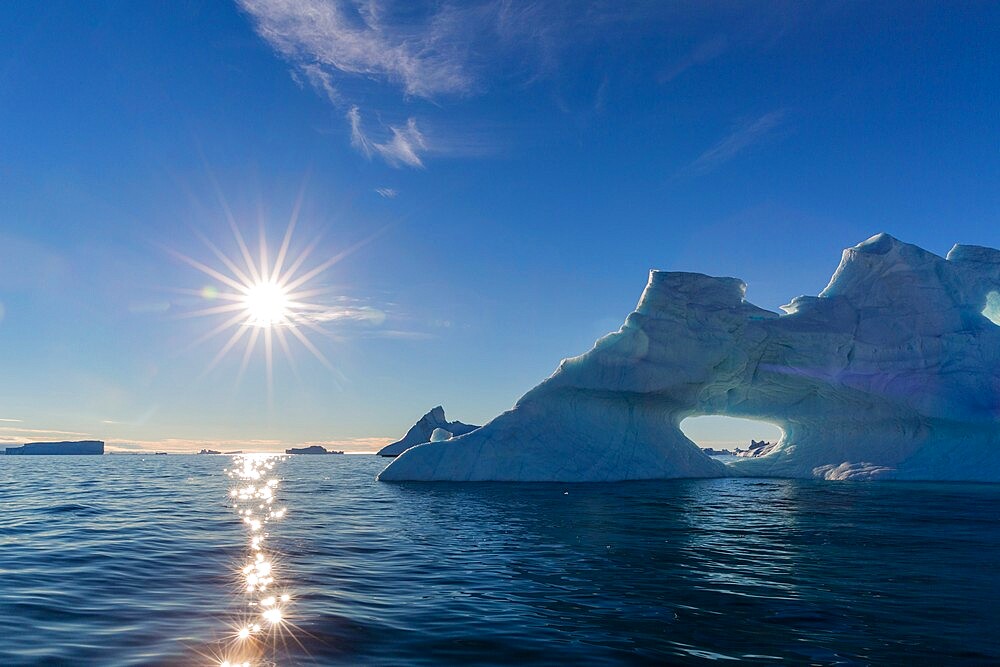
x: 261, y: 629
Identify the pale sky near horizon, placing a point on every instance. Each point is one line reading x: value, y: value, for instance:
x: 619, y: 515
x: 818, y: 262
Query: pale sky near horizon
x: 495, y: 178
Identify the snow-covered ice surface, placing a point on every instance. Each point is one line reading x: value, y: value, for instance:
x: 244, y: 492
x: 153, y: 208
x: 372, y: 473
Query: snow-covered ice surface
x: 892, y: 372
x: 424, y: 430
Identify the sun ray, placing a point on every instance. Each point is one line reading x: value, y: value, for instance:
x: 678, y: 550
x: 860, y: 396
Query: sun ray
x: 228, y: 296
x: 302, y: 305
x: 283, y: 342
x: 212, y: 310
x: 286, y: 241
x: 311, y: 325
x: 269, y: 361
x: 207, y: 270
x: 262, y: 248
x: 298, y: 262
x: 224, y: 258
x: 231, y: 220
x: 237, y: 335
x: 235, y: 319
x: 251, y: 342
x: 306, y: 277
x: 245, y: 251
x: 309, y: 346
x: 316, y: 291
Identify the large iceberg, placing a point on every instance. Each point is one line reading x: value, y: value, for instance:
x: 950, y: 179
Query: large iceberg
x: 892, y: 372
x: 423, y: 431
x: 74, y: 447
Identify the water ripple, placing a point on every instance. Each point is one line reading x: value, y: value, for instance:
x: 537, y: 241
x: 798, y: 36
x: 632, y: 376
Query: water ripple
x: 144, y: 560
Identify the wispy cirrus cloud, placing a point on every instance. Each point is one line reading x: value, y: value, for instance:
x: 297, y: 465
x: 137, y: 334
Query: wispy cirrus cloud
x: 17, y: 434
x: 703, y: 52
x: 348, y: 317
x: 315, y: 76
x: 403, y: 147
x: 367, y: 38
x: 354, y: 52
x: 347, y: 314
x: 738, y: 141
x: 338, y: 44
x: 386, y: 193
x: 38, y: 431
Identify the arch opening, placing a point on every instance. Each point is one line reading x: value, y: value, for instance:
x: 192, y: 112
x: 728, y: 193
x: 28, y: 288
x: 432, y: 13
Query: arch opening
x: 720, y: 435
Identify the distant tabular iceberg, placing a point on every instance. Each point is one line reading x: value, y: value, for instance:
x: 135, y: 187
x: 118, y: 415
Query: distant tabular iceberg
x: 311, y: 449
x: 432, y: 426
x: 48, y: 448
x: 892, y: 372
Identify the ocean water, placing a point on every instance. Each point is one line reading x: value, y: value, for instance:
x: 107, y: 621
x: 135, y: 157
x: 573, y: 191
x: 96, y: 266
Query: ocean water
x: 128, y: 560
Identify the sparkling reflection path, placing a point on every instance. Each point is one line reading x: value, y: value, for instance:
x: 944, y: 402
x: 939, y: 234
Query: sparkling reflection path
x: 262, y: 627
x: 128, y: 561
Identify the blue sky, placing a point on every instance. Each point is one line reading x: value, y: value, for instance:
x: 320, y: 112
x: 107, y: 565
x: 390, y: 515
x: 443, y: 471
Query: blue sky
x: 507, y: 173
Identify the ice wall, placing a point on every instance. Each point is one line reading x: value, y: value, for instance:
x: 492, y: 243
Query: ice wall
x: 893, y: 371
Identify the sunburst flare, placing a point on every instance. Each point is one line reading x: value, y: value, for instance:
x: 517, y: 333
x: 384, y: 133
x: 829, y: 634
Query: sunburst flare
x: 261, y: 297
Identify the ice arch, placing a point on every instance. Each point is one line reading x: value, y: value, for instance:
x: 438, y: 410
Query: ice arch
x: 722, y: 432
x: 892, y: 371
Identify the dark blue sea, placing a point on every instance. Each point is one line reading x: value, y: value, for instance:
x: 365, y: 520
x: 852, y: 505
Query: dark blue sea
x: 200, y: 560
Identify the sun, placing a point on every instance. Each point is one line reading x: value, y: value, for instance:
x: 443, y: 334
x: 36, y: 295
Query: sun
x: 264, y: 299
x: 267, y: 304
x: 267, y: 299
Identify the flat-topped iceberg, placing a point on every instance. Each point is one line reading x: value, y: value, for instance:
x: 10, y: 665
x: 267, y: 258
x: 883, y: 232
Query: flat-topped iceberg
x: 311, y: 449
x: 74, y: 447
x: 424, y: 430
x: 892, y: 371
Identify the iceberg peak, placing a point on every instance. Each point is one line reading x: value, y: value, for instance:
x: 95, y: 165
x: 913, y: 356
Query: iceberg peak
x: 424, y: 430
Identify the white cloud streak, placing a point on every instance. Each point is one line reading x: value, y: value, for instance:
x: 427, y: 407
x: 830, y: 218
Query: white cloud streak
x: 318, y: 78
x: 738, y: 141
x: 364, y: 315
x: 702, y: 53
x: 16, y: 430
x: 339, y: 47
x: 402, y: 148
x: 359, y: 37
x: 16, y: 435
